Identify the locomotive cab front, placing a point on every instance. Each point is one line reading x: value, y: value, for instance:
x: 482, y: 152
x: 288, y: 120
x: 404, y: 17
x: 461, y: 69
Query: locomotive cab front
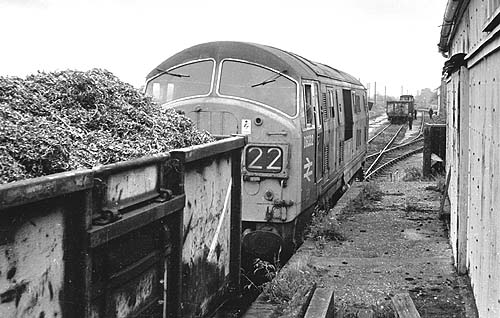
x: 234, y: 96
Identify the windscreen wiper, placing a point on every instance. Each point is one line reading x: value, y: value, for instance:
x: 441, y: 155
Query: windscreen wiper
x: 270, y: 80
x: 173, y: 74
x: 264, y: 82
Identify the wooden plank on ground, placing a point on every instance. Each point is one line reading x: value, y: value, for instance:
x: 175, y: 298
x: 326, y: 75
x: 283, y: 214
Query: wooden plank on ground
x: 321, y: 304
x: 366, y: 313
x: 404, y: 306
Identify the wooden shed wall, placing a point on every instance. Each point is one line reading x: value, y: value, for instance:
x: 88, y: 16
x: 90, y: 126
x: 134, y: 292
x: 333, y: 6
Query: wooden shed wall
x: 483, y: 239
x: 473, y: 94
x: 452, y: 162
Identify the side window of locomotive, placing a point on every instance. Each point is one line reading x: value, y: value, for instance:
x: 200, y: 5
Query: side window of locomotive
x: 339, y: 104
x: 256, y: 83
x: 348, y: 114
x: 357, y: 104
x: 317, y: 111
x: 194, y: 79
x: 331, y: 102
x: 308, y: 106
x: 339, y: 100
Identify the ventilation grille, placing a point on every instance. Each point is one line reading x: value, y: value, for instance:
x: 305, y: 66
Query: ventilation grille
x: 341, y: 152
x: 326, y: 158
x: 324, y: 110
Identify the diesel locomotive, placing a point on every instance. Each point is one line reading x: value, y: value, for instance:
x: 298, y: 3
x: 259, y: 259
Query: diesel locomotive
x: 307, y: 127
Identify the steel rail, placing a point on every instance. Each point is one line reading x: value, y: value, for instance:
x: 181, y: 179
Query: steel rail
x: 377, y: 134
x: 383, y: 150
x: 411, y: 142
x: 415, y: 139
x: 421, y: 129
x: 393, y: 161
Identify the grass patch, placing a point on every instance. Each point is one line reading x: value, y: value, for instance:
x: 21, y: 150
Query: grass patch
x: 371, y: 192
x: 324, y: 227
x: 261, y: 271
x: 412, y: 174
x: 291, y: 282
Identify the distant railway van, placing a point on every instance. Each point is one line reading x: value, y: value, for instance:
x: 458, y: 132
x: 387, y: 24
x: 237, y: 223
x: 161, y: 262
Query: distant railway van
x: 397, y: 111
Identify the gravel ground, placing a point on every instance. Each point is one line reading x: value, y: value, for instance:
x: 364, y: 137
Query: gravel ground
x: 398, y: 244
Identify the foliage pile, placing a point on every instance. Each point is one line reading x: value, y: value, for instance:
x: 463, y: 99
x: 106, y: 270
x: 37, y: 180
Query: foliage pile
x: 65, y: 120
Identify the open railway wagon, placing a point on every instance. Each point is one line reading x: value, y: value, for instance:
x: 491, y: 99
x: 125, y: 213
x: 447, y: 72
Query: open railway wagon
x: 152, y: 237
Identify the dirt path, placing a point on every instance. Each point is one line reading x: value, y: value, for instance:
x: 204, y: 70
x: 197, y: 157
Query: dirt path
x: 397, y: 244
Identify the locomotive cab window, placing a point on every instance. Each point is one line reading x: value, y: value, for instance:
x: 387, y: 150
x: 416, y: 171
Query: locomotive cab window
x: 310, y: 104
x: 338, y: 104
x: 259, y: 84
x: 193, y: 79
x: 332, y: 103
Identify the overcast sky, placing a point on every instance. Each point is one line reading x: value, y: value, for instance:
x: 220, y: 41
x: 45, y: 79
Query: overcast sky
x: 392, y: 42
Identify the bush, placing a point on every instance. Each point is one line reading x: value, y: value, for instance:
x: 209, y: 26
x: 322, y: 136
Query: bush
x: 324, y: 227
x: 295, y: 278
x: 412, y: 174
x: 60, y: 121
x: 371, y: 192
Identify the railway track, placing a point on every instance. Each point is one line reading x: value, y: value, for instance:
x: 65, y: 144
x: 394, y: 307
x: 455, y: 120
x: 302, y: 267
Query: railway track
x: 378, y: 133
x: 382, y: 152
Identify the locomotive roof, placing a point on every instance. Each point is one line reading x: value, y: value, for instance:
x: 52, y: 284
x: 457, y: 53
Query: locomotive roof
x: 295, y: 65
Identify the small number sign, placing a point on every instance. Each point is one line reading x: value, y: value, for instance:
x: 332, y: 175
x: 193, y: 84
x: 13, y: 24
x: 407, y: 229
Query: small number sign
x: 264, y: 159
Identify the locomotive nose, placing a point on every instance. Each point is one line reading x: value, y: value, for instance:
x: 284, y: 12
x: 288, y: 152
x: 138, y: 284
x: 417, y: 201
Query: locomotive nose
x: 265, y: 244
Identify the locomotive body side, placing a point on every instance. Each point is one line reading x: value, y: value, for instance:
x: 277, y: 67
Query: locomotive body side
x: 306, y: 123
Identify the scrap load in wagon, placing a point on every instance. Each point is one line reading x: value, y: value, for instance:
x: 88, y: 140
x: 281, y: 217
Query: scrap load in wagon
x: 59, y: 121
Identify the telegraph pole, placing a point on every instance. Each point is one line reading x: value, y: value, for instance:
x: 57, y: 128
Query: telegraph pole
x: 368, y: 89
x: 375, y: 94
